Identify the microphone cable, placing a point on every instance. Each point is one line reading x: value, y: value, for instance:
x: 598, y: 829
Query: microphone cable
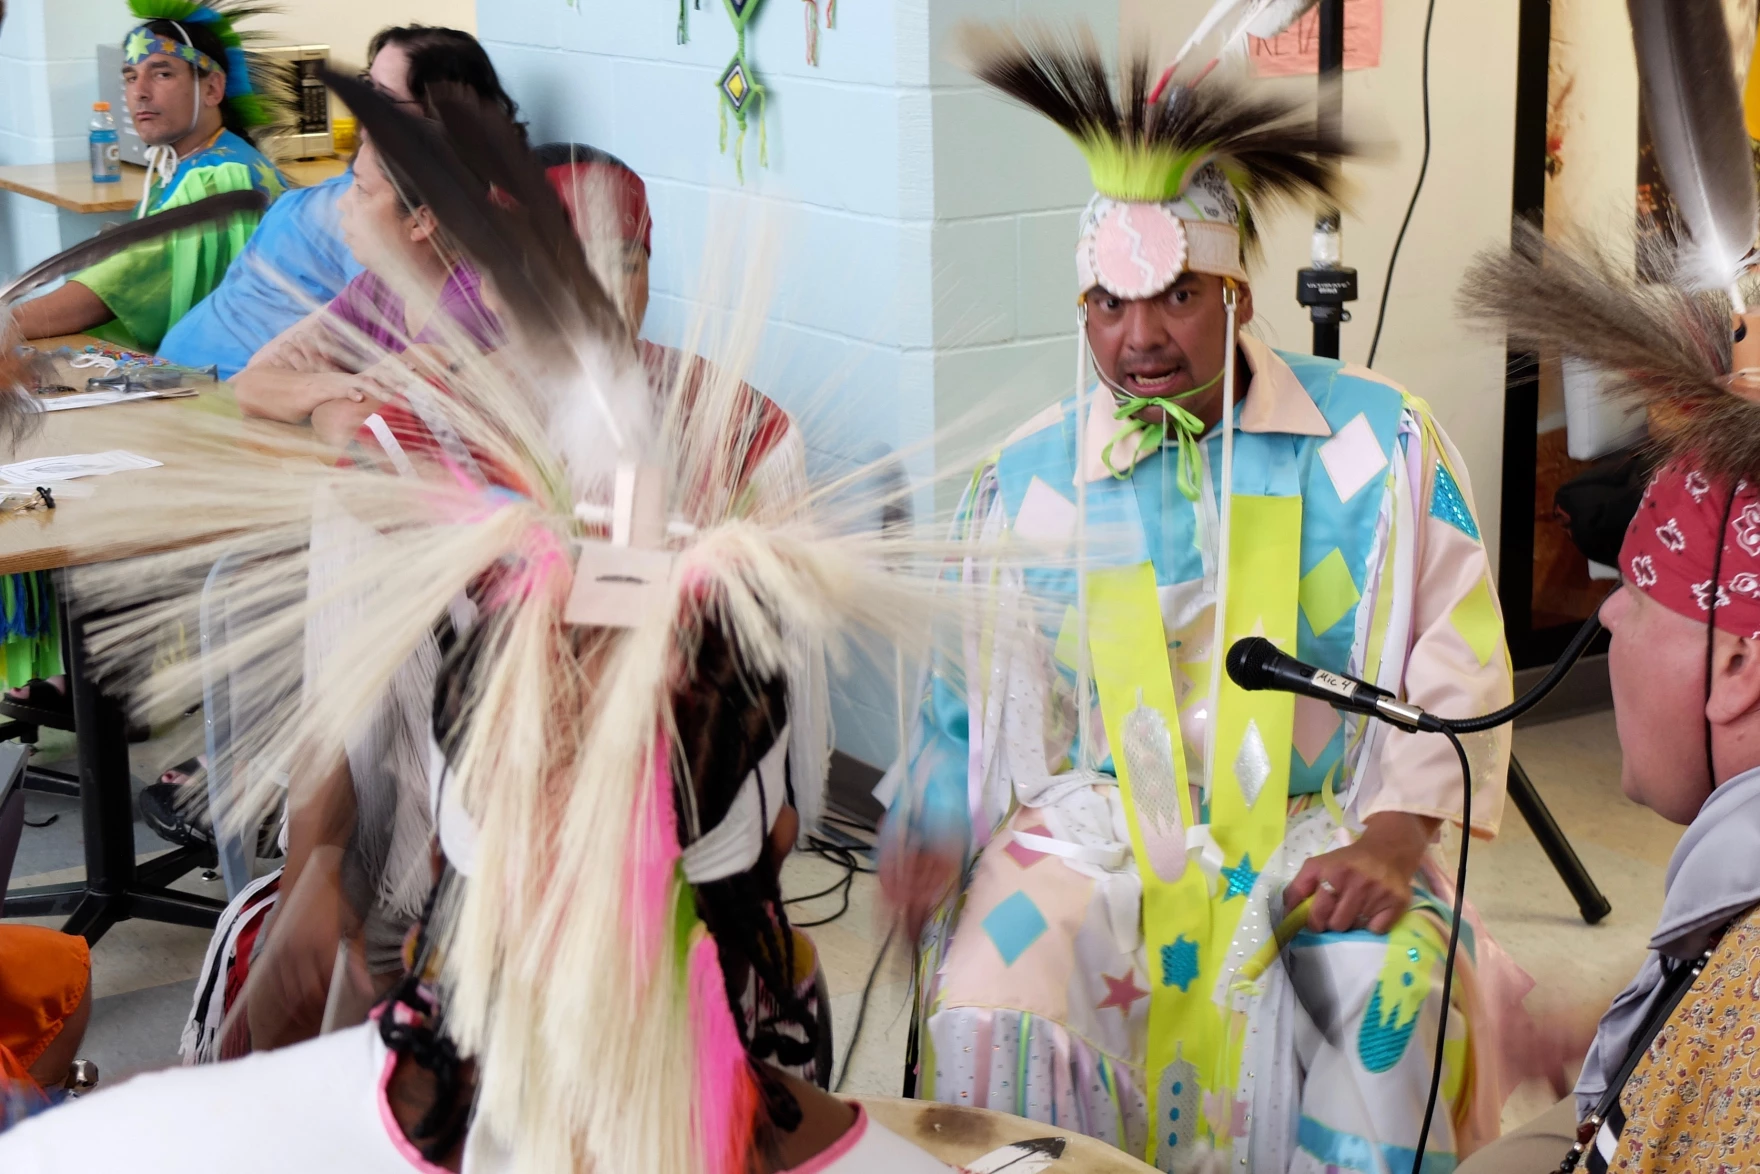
x: 1452, y: 730
x: 1454, y: 941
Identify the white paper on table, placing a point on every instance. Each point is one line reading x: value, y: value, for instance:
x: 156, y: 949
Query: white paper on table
x: 52, y: 469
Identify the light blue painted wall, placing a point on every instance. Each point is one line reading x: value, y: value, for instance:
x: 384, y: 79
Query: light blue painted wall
x: 48, y: 62
x: 923, y: 230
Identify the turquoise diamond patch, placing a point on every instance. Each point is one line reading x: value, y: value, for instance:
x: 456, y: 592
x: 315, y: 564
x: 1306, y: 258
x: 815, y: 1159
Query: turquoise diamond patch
x: 1014, y: 925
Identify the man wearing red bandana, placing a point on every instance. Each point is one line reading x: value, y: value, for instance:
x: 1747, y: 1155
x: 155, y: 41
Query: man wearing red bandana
x: 1668, y: 1083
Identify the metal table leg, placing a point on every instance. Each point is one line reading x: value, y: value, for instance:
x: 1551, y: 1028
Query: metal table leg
x: 114, y: 889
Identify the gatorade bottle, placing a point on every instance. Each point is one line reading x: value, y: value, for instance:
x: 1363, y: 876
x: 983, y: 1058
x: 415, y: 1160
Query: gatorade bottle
x: 106, y: 153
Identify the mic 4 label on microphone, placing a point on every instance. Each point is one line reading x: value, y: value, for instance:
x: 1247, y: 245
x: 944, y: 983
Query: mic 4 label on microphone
x: 1333, y: 683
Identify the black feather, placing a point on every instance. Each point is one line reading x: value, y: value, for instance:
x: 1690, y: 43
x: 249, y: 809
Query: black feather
x: 1695, y: 109
x: 107, y: 244
x: 474, y: 171
x: 536, y: 223
x: 1270, y: 148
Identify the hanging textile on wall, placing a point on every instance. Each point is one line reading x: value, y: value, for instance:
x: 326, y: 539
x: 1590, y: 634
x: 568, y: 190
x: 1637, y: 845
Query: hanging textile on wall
x: 742, y: 95
x: 812, y: 17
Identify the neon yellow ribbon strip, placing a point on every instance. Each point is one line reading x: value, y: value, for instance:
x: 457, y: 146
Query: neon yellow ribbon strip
x: 1286, y: 932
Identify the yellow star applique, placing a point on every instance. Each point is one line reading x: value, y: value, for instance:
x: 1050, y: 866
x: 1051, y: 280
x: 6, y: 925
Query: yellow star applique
x: 139, y: 46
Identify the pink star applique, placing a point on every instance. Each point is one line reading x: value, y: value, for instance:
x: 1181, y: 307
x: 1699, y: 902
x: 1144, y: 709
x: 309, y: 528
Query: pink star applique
x: 1122, y: 992
x: 1023, y: 855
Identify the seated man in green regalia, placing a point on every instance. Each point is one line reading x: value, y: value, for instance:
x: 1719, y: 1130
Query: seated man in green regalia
x: 189, y: 92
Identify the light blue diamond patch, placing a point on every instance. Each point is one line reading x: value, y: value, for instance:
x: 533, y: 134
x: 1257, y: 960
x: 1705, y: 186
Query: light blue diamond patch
x: 1014, y: 925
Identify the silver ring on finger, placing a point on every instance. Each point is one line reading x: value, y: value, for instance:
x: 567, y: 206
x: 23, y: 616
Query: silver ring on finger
x: 1327, y: 886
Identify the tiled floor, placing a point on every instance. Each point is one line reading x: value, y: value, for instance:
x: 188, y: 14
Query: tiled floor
x: 144, y: 972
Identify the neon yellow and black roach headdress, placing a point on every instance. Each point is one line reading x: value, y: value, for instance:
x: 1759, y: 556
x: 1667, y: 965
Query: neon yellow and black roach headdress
x: 1182, y: 175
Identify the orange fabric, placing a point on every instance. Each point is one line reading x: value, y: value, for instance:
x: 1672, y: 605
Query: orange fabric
x: 43, y: 977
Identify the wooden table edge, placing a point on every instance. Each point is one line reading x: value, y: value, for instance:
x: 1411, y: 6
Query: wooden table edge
x: 60, y: 201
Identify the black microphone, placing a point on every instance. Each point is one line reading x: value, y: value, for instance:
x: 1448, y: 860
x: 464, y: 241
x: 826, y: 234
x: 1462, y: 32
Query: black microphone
x: 1255, y: 663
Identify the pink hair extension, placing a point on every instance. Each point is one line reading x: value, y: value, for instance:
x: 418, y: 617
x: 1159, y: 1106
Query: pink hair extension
x: 463, y: 478
x: 1167, y: 76
x: 1161, y: 83
x: 726, y: 1100
x: 541, y: 567
x: 652, y: 864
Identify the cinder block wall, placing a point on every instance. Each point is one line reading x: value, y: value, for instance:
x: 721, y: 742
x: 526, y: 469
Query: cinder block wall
x: 923, y: 230
x: 48, y: 63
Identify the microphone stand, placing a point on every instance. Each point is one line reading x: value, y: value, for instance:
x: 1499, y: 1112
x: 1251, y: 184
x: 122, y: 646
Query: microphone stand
x: 1324, y: 287
x: 1327, y: 284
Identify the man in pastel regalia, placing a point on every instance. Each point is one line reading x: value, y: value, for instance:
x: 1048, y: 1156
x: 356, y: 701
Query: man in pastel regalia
x: 1095, y: 884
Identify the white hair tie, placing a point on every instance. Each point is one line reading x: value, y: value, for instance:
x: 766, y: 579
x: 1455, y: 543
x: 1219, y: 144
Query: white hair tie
x: 729, y: 848
x: 735, y: 844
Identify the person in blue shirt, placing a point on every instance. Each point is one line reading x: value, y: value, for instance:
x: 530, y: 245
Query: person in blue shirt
x: 297, y: 260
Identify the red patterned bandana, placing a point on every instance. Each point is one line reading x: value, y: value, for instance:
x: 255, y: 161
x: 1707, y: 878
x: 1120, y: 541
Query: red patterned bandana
x: 1671, y: 547
x: 612, y: 184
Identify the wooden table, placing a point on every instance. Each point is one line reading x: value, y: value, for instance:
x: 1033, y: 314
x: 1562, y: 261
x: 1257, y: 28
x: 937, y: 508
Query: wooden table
x: 957, y: 1135
x: 115, y: 887
x: 50, y: 540
x: 70, y: 186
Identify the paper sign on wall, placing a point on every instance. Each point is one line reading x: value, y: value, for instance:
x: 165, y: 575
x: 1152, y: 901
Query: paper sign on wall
x: 1296, y: 50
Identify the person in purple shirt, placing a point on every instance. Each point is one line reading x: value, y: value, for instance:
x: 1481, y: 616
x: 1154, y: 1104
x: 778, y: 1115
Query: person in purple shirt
x: 327, y: 368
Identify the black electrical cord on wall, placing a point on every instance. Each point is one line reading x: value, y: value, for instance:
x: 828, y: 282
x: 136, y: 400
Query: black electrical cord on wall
x: 1417, y: 188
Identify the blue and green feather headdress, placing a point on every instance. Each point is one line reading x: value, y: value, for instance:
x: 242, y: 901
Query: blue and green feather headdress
x: 244, y: 93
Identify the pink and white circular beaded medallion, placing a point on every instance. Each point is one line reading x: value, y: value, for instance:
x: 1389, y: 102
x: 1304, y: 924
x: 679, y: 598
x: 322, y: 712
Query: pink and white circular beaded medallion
x: 1133, y: 250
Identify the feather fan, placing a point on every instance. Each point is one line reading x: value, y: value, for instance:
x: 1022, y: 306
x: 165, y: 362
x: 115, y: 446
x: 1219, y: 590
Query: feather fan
x: 1268, y: 147
x: 108, y: 243
x: 504, y: 216
x: 1656, y: 342
x: 1701, y: 143
x: 588, y: 1047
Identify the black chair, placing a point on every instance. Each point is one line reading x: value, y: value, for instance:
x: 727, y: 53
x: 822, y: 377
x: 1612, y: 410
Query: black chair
x: 13, y: 756
x: 22, y: 723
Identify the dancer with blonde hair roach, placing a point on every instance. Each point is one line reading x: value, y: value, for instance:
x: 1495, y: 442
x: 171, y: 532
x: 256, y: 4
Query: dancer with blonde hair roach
x: 609, y: 751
